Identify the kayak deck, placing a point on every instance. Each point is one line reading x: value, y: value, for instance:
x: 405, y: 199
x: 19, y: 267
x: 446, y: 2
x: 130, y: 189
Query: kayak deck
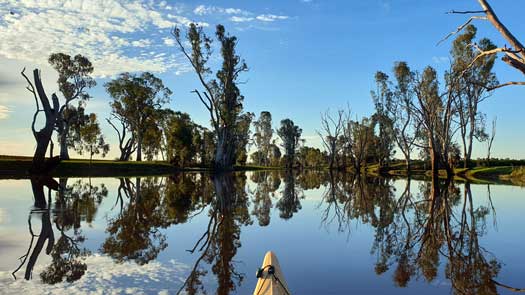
x: 271, y: 280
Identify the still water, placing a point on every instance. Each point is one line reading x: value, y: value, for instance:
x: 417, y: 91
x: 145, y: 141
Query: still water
x: 207, y: 234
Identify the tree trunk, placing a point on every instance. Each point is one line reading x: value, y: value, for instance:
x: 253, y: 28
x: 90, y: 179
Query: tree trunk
x: 139, y: 147
x: 224, y: 159
x: 63, y: 131
x: 407, y: 164
x: 42, y: 136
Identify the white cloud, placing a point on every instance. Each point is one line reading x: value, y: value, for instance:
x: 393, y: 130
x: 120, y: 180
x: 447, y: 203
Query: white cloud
x: 141, y: 43
x: 271, y: 17
x: 169, y: 41
x: 106, y: 31
x: 241, y: 19
x: 4, y: 112
x: 206, y: 10
x: 237, y: 15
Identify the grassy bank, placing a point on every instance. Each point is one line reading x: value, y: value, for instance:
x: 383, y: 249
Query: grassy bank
x: 18, y: 167
x: 479, y: 174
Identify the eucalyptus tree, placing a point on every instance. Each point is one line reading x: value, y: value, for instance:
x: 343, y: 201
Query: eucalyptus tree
x: 290, y: 135
x: 263, y: 136
x: 243, y: 138
x: 332, y: 129
x: 221, y: 96
x: 74, y: 78
x: 473, y: 80
x: 514, y: 54
x: 180, y: 139
x: 382, y: 99
x: 275, y: 155
x: 126, y: 140
x: 404, y: 125
x: 490, y: 140
x: 137, y: 100
x: 359, y: 138
x: 91, y: 140
x: 434, y: 113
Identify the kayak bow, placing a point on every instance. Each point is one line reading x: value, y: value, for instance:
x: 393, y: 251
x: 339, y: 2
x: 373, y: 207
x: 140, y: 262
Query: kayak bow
x: 271, y: 280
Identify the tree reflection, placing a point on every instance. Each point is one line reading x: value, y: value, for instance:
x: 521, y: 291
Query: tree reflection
x: 43, y: 211
x: 290, y: 201
x: 73, y: 204
x: 437, y: 223
x: 228, y: 211
x: 267, y: 184
x: 413, y: 232
x: 349, y: 197
x: 134, y: 233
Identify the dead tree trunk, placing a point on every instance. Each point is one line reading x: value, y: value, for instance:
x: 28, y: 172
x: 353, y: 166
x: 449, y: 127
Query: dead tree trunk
x: 42, y: 136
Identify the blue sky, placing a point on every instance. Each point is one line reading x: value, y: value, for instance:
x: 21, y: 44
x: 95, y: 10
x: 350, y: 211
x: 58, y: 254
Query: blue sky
x: 304, y: 56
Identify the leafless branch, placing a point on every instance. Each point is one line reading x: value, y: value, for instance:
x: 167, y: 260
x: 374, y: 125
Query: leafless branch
x: 460, y: 28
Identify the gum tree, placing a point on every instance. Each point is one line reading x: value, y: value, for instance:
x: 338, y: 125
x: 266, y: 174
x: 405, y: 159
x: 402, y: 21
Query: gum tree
x: 137, y: 100
x: 74, y: 78
x: 220, y: 95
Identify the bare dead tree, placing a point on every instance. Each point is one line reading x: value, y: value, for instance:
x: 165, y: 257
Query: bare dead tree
x: 42, y: 136
x: 332, y: 129
x: 514, y: 55
x: 127, y: 145
x: 491, y: 139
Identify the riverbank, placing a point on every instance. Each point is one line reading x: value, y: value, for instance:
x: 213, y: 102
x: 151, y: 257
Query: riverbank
x: 18, y: 166
x: 504, y: 174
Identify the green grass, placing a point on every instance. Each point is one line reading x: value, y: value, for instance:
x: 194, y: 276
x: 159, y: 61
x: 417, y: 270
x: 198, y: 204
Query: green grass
x: 517, y: 176
x: 488, y: 172
x: 18, y: 167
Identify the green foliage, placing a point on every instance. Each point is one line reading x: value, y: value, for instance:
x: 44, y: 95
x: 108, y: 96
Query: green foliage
x: 91, y: 140
x: 74, y: 75
x: 137, y: 100
x: 74, y: 78
x: 290, y: 135
x: 263, y: 137
x: 383, y: 103
x: 311, y: 157
x: 180, y: 139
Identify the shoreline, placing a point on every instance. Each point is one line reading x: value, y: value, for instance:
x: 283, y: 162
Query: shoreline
x: 16, y: 167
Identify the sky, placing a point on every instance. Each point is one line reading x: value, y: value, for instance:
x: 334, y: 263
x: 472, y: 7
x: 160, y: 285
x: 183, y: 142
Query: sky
x: 304, y: 56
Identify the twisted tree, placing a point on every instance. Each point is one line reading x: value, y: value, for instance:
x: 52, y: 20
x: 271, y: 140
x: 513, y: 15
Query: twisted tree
x: 51, y: 112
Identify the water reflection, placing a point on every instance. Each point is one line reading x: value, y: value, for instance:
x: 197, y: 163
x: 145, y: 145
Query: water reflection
x: 73, y: 204
x: 228, y: 211
x: 415, y: 231
x: 422, y: 231
x: 134, y: 233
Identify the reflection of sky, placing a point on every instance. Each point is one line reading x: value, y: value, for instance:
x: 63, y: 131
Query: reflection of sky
x: 105, y: 277
x: 3, y: 216
x: 314, y: 256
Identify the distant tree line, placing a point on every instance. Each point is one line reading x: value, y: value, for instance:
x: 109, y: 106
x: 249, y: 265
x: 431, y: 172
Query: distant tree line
x: 419, y: 111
